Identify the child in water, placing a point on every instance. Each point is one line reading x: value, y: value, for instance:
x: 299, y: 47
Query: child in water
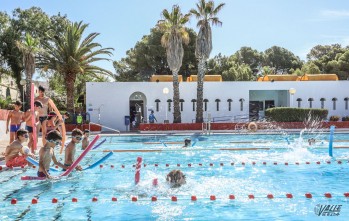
x: 71, y: 148
x: 47, y: 154
x: 176, y: 178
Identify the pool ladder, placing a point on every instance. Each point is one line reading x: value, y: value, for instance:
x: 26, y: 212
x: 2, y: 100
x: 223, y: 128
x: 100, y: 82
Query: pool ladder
x: 206, y: 128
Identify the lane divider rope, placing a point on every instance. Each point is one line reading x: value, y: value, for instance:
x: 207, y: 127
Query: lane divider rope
x: 307, y: 195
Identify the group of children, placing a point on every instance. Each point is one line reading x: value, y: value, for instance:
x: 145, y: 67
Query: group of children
x: 51, y: 127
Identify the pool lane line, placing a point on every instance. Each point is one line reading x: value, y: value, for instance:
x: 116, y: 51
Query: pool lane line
x: 203, y: 149
x: 221, y: 164
x: 250, y: 196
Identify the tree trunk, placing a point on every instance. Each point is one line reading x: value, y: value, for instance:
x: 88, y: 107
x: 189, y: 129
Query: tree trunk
x: 200, y: 92
x: 70, y: 79
x: 176, y: 109
x: 29, y: 65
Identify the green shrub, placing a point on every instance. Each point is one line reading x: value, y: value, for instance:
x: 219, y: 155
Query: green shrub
x: 6, y: 104
x: 334, y: 118
x: 346, y: 118
x: 288, y: 114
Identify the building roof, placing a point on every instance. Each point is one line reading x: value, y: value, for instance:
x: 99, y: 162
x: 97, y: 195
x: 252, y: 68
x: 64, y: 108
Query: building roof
x: 306, y: 77
x: 164, y: 78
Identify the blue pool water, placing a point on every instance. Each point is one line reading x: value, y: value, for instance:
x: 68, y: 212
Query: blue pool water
x: 213, y: 167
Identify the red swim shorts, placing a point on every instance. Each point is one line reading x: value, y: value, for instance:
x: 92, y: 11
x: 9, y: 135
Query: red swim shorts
x: 17, y: 162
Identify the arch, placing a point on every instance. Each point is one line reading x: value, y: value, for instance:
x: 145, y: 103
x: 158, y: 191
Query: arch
x: 217, y: 104
x: 157, y: 101
x: 138, y: 108
x: 322, y: 102
x: 241, y: 104
x: 229, y: 104
x: 205, y: 104
x: 193, y: 101
x: 181, y: 101
x: 169, y: 102
x: 334, y: 100
x: 299, y: 100
x: 346, y: 99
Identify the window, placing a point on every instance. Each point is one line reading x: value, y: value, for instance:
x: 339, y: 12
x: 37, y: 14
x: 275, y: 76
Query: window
x: 205, y: 104
x: 310, y: 102
x: 229, y: 104
x: 217, y: 103
x: 346, y: 102
x: 299, y: 100
x: 169, y: 102
x: 241, y: 104
x: 334, y: 103
x: 322, y: 103
x: 194, y: 103
x: 181, y: 101
x: 157, y: 101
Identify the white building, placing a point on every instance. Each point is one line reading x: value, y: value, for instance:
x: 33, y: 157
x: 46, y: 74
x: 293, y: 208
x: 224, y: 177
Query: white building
x: 109, y: 102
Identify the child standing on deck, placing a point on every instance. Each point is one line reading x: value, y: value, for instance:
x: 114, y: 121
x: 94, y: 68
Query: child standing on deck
x: 15, y: 116
x: 28, y: 122
x: 16, y: 153
x: 71, y: 148
x: 47, y: 153
x: 85, y: 142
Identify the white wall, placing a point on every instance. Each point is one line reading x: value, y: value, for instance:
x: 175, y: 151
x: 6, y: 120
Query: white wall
x: 113, y: 98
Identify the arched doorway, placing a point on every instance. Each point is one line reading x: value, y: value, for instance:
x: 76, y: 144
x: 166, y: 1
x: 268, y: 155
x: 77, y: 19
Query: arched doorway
x: 137, y: 105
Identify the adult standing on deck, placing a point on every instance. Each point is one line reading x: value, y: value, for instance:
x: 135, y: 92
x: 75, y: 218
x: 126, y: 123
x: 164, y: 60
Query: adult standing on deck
x: 43, y: 112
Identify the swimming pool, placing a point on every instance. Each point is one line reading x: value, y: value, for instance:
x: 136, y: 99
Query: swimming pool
x: 231, y: 177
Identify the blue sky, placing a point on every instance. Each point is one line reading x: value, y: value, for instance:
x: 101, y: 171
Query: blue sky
x: 296, y: 25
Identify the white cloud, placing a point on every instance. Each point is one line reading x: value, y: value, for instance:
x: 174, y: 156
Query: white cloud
x: 335, y: 14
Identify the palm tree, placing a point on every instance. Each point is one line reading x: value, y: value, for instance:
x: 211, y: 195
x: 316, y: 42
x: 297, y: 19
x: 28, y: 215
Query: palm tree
x: 206, y: 13
x: 69, y: 56
x: 175, y: 34
x: 29, y: 49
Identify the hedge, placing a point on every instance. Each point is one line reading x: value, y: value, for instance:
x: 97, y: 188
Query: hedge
x: 288, y: 114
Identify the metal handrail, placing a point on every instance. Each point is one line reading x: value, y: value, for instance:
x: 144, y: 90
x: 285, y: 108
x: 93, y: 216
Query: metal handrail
x: 105, y: 127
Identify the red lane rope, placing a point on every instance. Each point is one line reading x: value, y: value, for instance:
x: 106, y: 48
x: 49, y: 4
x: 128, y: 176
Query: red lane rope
x: 175, y: 198
x: 253, y: 163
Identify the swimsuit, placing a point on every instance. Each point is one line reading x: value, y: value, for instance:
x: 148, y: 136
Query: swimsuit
x: 67, y: 165
x: 42, y: 174
x: 29, y: 129
x: 17, y: 162
x: 42, y: 119
x: 14, y: 127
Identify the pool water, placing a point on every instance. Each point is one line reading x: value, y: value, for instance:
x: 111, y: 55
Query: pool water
x: 217, y: 166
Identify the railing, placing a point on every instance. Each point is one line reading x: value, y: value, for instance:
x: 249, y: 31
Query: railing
x: 103, y: 126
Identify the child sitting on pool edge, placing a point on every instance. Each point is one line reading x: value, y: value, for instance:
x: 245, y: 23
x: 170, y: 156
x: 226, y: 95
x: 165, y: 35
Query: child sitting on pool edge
x: 16, y: 153
x: 176, y: 178
x: 47, y: 153
x: 71, y: 148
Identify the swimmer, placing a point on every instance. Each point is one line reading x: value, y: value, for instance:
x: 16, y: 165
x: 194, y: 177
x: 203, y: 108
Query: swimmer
x: 187, y: 142
x: 71, y: 148
x: 311, y: 141
x: 47, y: 154
x: 85, y: 141
x: 176, y: 178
